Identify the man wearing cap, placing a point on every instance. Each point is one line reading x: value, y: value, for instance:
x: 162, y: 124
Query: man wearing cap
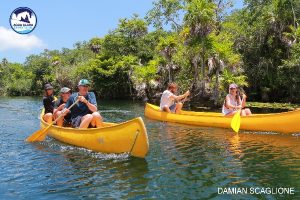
x: 84, y: 114
x: 48, y: 102
x: 59, y: 105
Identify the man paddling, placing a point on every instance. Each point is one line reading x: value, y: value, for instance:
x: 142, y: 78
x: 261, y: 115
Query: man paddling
x: 84, y: 114
x: 168, y: 98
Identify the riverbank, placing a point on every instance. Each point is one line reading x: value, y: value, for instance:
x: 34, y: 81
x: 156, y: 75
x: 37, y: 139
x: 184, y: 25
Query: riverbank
x: 257, y: 107
x: 274, y: 105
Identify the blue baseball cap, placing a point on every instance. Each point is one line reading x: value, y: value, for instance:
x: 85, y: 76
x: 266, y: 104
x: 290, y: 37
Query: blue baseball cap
x: 83, y: 82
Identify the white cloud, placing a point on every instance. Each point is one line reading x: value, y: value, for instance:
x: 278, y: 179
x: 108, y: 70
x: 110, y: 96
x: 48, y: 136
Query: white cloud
x: 12, y: 40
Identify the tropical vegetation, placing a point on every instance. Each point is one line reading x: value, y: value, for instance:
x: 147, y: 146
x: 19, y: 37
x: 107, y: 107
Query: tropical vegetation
x: 197, y: 43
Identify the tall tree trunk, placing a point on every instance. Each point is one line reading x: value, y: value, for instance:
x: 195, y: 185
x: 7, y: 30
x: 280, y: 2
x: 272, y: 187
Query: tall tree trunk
x: 216, y: 90
x: 129, y: 83
x: 170, y: 72
x: 203, y: 70
x: 196, y: 69
x: 294, y: 15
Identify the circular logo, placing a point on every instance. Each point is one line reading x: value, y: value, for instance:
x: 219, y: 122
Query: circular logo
x: 23, y: 20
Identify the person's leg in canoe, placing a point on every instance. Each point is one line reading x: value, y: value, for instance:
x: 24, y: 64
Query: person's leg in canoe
x: 48, y: 117
x: 178, y: 108
x: 86, y: 120
x: 97, y: 120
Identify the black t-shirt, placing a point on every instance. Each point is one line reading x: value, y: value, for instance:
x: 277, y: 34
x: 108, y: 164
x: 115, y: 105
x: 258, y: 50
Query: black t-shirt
x: 48, y: 103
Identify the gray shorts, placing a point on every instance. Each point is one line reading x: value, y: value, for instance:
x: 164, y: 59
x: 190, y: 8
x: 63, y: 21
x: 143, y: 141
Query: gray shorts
x: 172, y: 107
x: 75, y: 122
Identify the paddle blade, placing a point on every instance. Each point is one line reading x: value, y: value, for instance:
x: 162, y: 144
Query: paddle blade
x: 38, y: 136
x: 236, y: 121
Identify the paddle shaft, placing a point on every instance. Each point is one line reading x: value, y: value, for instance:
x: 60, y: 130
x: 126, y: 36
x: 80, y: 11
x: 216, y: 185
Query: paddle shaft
x: 41, y: 134
x: 236, y: 119
x: 63, y: 112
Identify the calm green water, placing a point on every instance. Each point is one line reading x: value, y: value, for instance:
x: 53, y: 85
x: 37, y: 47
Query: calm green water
x: 184, y: 162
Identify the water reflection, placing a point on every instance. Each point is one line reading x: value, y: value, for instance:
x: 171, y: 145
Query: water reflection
x: 235, y: 145
x: 96, y: 172
x: 218, y: 158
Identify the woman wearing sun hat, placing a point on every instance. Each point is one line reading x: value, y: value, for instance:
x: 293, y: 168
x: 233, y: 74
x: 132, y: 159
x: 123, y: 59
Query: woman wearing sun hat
x: 233, y: 102
x: 48, y: 102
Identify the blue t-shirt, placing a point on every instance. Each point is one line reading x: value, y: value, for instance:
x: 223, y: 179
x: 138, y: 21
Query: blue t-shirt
x: 80, y: 109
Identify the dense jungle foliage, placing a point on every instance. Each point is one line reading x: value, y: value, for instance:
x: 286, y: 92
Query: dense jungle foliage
x: 195, y: 43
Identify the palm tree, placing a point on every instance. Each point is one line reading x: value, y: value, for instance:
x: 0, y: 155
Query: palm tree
x: 216, y: 66
x: 4, y: 62
x: 200, y: 19
x: 167, y: 47
x: 95, y: 45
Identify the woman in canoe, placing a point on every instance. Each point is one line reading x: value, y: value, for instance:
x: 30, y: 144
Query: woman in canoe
x: 233, y: 102
x: 48, y: 102
x: 168, y: 98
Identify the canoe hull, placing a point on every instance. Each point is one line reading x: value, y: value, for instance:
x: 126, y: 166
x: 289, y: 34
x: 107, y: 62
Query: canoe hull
x: 286, y: 122
x: 130, y: 136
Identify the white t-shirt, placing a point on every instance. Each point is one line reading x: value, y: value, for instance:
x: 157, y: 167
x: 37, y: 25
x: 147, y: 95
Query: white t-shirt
x: 233, y: 102
x: 167, y: 99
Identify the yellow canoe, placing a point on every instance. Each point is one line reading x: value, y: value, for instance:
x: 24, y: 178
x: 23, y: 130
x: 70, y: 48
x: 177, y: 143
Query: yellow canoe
x: 285, y: 122
x: 130, y: 136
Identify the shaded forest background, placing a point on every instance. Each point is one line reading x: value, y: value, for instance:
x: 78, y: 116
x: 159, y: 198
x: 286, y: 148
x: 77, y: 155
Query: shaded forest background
x: 195, y: 43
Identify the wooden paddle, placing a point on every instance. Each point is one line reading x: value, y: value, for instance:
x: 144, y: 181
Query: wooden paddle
x: 236, y: 121
x: 40, y: 135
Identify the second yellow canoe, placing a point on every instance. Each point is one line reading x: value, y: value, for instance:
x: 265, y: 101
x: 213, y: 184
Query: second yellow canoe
x: 285, y: 122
